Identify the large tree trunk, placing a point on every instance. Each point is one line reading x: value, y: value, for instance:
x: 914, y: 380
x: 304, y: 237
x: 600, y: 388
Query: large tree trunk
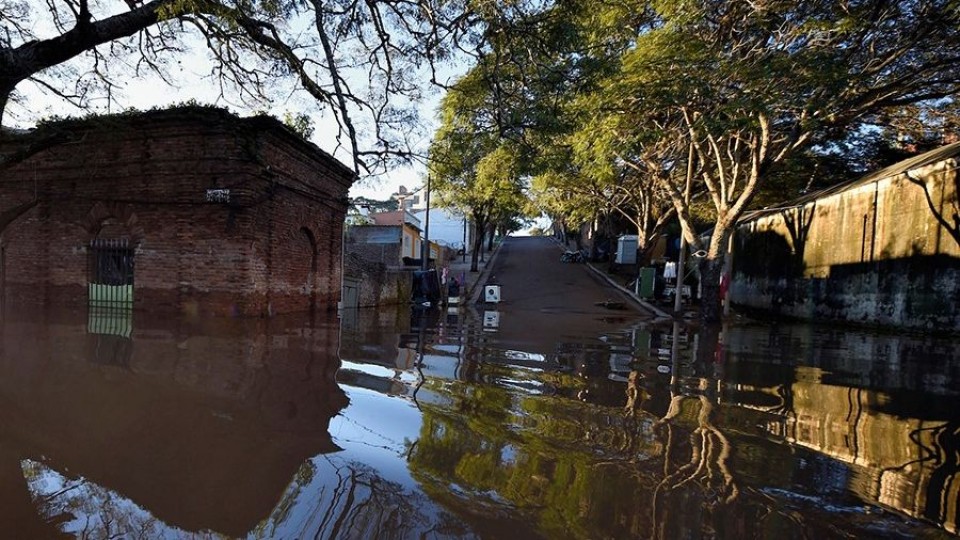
x: 481, y: 224
x: 711, y: 306
x: 475, y: 254
x: 711, y: 271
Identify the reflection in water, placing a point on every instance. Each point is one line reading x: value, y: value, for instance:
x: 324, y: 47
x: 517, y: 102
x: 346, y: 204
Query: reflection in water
x: 89, y: 510
x: 672, y: 442
x: 883, y: 406
x: 437, y: 426
x: 200, y: 427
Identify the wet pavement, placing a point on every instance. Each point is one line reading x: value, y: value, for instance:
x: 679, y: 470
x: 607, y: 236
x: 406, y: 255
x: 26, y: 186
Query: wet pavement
x: 552, y: 419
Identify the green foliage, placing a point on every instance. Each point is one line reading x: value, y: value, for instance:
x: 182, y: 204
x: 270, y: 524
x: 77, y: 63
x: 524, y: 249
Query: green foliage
x: 473, y: 168
x: 549, y: 466
x: 300, y: 123
x: 373, y: 205
x: 609, y: 107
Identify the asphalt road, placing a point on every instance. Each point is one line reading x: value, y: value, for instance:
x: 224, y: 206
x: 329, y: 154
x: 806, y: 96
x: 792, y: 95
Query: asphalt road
x: 543, y: 299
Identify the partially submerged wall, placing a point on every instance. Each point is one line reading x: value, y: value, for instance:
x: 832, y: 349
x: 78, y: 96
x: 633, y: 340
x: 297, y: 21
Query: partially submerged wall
x: 220, y: 215
x: 379, y: 284
x: 883, y: 252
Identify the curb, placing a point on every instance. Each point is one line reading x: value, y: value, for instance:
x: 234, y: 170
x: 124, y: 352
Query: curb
x: 476, y: 288
x: 660, y: 314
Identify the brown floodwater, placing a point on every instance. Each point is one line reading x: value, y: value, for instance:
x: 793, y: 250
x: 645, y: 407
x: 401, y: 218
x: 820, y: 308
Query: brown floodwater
x: 400, y: 424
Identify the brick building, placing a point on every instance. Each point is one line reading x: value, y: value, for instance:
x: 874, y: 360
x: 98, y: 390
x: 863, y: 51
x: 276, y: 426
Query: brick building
x: 185, y: 210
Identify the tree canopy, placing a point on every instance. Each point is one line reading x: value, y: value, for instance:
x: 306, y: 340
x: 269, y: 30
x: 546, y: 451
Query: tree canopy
x: 472, y: 167
x: 362, y: 62
x: 723, y: 96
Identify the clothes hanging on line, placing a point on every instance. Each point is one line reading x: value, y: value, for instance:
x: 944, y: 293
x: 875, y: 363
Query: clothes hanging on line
x: 670, y: 270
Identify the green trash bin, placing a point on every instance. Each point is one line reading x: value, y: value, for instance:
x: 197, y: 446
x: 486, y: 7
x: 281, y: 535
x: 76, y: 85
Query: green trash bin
x: 647, y: 279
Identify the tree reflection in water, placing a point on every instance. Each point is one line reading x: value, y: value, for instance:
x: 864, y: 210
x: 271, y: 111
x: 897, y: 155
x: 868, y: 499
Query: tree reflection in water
x: 691, y: 455
x: 454, y: 431
x: 710, y: 449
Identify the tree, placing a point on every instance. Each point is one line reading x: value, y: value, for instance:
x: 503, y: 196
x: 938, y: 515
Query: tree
x: 747, y: 86
x: 509, y: 104
x: 488, y: 190
x: 623, y: 180
x: 323, y: 46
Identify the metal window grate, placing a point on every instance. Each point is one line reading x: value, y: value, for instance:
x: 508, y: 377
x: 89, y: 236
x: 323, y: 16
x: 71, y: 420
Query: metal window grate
x: 111, y: 273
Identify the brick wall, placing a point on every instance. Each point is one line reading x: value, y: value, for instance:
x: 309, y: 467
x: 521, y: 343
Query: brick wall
x: 372, y: 256
x: 271, y: 245
x: 380, y: 285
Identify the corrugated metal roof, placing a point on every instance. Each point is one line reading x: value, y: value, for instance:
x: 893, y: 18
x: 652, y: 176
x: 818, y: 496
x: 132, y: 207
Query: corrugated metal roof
x: 922, y: 160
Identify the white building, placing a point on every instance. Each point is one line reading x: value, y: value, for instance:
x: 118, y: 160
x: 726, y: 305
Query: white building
x: 447, y: 227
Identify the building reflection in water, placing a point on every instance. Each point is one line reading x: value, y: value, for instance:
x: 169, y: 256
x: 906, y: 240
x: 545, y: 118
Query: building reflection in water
x: 883, y: 405
x: 243, y: 428
x: 185, y: 425
x: 744, y: 431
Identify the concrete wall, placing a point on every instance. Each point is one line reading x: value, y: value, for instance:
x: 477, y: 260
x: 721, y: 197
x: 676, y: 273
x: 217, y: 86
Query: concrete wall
x: 885, y: 252
x: 272, y: 244
x: 380, y: 284
x: 372, y: 255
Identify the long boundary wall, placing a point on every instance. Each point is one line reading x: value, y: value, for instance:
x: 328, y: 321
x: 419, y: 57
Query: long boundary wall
x: 883, y: 252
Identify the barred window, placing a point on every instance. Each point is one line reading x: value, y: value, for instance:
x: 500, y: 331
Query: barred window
x: 112, y: 262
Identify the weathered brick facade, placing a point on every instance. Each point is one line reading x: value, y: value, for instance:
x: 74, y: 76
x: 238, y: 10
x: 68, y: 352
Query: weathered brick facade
x: 223, y: 215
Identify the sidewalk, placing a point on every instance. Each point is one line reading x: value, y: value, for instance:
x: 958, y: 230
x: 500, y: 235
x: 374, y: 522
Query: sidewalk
x: 660, y: 314
x: 472, y: 282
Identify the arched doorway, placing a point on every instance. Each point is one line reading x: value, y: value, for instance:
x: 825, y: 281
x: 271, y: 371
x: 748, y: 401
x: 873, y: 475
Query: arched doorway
x: 110, y: 289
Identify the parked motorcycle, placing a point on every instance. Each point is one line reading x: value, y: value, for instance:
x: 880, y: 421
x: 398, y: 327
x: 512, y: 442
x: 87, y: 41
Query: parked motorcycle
x: 573, y: 257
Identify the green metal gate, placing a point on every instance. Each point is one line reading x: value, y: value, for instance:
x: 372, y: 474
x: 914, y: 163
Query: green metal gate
x: 111, y: 274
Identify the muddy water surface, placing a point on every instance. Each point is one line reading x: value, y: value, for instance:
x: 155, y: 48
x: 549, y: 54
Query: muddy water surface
x: 467, y: 425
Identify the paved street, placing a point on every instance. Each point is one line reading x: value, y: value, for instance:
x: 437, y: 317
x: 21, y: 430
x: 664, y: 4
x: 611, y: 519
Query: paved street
x: 543, y: 299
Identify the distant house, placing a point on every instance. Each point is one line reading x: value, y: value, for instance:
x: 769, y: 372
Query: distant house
x: 445, y: 226
x: 881, y: 250
x: 189, y: 210
x: 379, y: 259
x: 408, y: 231
x: 448, y: 228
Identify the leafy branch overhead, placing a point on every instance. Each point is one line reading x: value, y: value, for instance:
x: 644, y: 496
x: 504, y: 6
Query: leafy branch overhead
x: 362, y: 62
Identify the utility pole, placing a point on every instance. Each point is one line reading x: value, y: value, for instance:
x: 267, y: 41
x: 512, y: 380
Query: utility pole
x: 425, y: 258
x: 681, y: 261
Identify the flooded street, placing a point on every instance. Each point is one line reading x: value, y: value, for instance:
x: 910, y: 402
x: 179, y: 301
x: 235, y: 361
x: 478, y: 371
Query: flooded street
x: 437, y: 425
